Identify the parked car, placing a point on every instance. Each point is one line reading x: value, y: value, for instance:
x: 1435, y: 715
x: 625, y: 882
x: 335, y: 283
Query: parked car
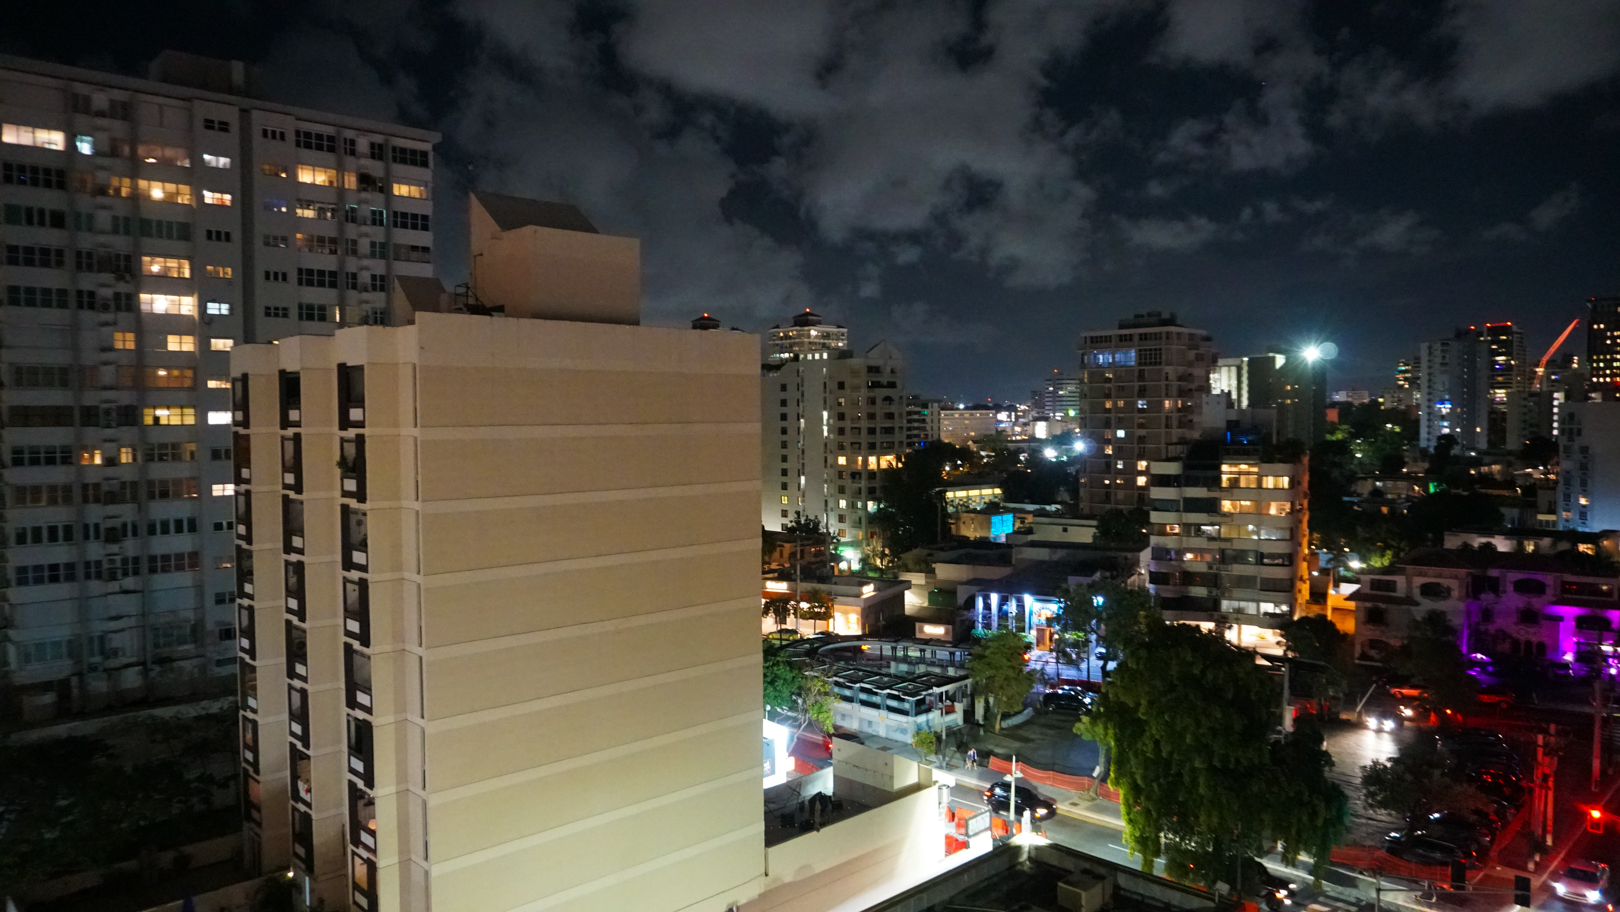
x: 1482, y: 823
x: 1585, y: 882
x: 1067, y: 699
x: 1496, y: 695
x: 1038, y: 805
x: 1427, y: 850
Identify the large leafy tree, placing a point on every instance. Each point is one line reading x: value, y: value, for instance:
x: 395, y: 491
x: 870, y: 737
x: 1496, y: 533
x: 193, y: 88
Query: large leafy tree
x: 815, y: 606
x: 1123, y: 529
x: 789, y: 690
x: 778, y: 607
x: 911, y: 513
x: 1205, y: 784
x: 1416, y: 782
x: 1105, y: 612
x: 1001, y: 672
x: 1430, y: 655
x: 1329, y: 652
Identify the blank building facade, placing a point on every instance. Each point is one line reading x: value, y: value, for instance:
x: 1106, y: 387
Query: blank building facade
x: 500, y: 593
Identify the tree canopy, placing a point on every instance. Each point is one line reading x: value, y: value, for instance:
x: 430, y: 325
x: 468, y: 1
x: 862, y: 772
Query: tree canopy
x: 1106, y: 612
x: 1127, y: 529
x: 1416, y: 782
x: 1331, y: 654
x: 1430, y: 654
x: 1000, y: 672
x: 911, y: 513
x: 789, y: 690
x: 815, y: 606
x: 1189, y: 720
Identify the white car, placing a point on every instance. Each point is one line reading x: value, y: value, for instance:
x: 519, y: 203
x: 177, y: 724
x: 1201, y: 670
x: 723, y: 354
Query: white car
x: 1583, y: 882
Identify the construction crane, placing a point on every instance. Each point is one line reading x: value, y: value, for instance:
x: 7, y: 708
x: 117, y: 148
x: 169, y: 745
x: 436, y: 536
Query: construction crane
x: 1542, y: 367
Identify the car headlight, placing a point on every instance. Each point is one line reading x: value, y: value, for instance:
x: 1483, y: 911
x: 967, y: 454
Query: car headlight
x: 1594, y: 895
x: 1559, y: 888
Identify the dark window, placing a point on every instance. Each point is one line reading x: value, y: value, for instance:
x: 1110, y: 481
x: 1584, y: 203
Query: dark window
x: 1434, y: 592
x: 357, y: 611
x: 404, y: 155
x: 315, y: 140
x: 297, y: 653
x: 292, y: 463
x: 1528, y: 586
x: 293, y: 571
x: 292, y: 405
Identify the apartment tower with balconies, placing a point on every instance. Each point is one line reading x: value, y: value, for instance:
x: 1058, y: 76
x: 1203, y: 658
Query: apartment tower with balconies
x: 500, y: 593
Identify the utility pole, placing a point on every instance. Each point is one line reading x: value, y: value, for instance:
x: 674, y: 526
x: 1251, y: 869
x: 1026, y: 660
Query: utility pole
x: 1600, y: 702
x: 1287, y: 702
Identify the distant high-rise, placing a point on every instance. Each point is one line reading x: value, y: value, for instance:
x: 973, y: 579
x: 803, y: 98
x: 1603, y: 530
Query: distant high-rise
x: 1453, y: 384
x: 1292, y: 384
x: 149, y: 227
x: 1141, y: 389
x: 1058, y: 397
x: 447, y: 529
x: 832, y: 420
x: 1506, y: 374
x: 1603, y: 346
x: 1404, y: 378
x: 923, y: 419
x: 1589, y: 466
x: 805, y: 334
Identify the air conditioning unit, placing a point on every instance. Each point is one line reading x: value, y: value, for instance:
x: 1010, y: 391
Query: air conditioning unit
x: 1086, y: 891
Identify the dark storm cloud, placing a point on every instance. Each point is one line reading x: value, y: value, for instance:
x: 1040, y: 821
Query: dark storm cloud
x: 981, y: 181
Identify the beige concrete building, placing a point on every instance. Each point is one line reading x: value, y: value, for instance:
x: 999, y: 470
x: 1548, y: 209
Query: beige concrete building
x: 962, y: 426
x: 464, y: 687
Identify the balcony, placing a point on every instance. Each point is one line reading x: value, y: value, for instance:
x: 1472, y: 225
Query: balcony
x: 247, y: 686
x: 303, y: 778
x: 250, y: 744
x: 244, y: 571
x: 351, y: 383
x: 247, y: 640
x: 355, y: 541
x: 293, y: 571
x: 357, y: 679
x: 292, y: 525
x: 360, y: 749
x: 298, y: 714
x: 362, y: 819
x: 239, y: 401
x: 303, y: 840
x: 292, y: 463
x: 252, y: 799
x: 297, y: 653
x: 357, y: 611
x: 244, y: 516
x: 292, y: 406
x: 352, y: 466
x: 242, y: 457
x: 363, y: 877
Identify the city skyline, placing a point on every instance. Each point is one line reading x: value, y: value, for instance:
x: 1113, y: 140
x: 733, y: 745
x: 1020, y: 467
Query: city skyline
x: 1327, y: 173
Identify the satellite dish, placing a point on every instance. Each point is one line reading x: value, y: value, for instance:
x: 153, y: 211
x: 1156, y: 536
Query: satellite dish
x: 1328, y: 351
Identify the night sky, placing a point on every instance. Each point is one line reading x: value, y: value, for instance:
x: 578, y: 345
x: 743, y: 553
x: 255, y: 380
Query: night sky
x: 979, y: 182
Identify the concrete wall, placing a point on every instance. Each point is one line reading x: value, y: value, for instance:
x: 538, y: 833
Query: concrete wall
x: 880, y: 851
x: 551, y: 274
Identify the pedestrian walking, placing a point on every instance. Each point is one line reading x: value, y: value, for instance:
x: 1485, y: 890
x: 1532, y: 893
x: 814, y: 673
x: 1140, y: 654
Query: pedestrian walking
x: 973, y: 758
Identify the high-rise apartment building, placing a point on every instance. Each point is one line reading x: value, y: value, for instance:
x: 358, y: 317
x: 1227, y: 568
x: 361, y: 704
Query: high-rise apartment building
x: 1506, y: 374
x: 1589, y: 466
x: 1292, y: 384
x: 832, y: 421
x: 1603, y: 346
x: 807, y: 334
x: 922, y: 419
x: 1228, y: 538
x: 148, y: 227
x: 499, y: 590
x: 1141, y: 389
x: 1058, y: 397
x: 1403, y: 374
x: 1453, y: 390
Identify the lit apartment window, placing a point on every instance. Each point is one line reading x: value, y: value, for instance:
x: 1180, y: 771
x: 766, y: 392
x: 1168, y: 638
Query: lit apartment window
x: 185, y: 305
x: 219, y: 417
x: 223, y: 490
x: 173, y: 267
x: 178, y: 343
x: 164, y: 191
x: 410, y: 189
x: 216, y: 161
x: 124, y: 341
x: 321, y: 177
x: 32, y: 136
x: 221, y: 345
x: 169, y: 415
x: 154, y: 154
x: 213, y: 198
x: 217, y: 272
x: 219, y: 308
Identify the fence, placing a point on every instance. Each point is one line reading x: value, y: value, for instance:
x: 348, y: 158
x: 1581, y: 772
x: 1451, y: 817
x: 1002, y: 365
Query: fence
x: 1055, y: 779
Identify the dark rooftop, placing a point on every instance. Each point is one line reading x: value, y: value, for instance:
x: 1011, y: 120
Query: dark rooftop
x: 1567, y: 562
x: 510, y: 212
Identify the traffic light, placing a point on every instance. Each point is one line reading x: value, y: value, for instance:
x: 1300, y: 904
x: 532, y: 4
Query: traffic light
x: 1521, y: 890
x: 1594, y: 820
